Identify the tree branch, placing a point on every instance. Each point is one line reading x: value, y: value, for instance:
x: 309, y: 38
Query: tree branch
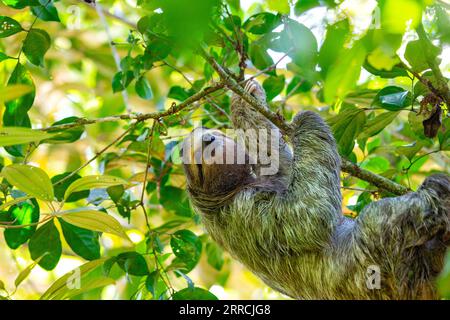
x: 347, y: 166
x: 175, y: 108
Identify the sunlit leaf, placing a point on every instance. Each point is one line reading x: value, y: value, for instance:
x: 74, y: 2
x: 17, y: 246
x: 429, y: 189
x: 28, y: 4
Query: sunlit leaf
x: 59, y: 288
x: 335, y: 39
x: 95, y: 221
x: 22, y: 214
x: 25, y: 273
x: 16, y: 135
x: 20, y: 4
x: 14, y: 92
x: 396, y: 15
x: 281, y: 6
x: 92, y: 182
x: 32, y: 180
x: 344, y: 73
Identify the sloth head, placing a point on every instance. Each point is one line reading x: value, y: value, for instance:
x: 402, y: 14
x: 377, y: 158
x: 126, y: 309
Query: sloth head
x: 215, y: 165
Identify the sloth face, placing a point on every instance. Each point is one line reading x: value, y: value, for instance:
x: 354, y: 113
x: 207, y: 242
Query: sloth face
x: 213, y: 162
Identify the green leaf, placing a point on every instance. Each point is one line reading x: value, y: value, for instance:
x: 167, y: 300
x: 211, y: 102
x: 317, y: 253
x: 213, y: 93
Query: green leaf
x: 92, y: 284
x: 59, y: 288
x: 46, y: 245
x: 442, y: 23
x: 416, y: 124
x: 151, y: 283
x: 46, y: 11
x: 9, y: 26
x: 346, y: 127
x: 262, y: 23
x: 175, y: 199
x: 343, y: 74
x: 15, y: 114
x: 301, y: 44
x: 133, y: 263
x: 376, y: 164
x: 178, y: 93
x: 396, y: 71
x: 335, y: 39
x: 375, y: 125
x: 186, y: 246
x: 60, y: 188
x: 83, y: 242
x: 3, y: 57
x: 273, y: 86
x: 396, y: 15
x: 259, y: 56
x: 14, y: 91
x: 20, y: 4
x: 36, y: 45
x: 143, y: 88
x: 16, y: 135
x: 194, y: 293
x: 410, y: 150
x: 21, y: 214
x: 444, y: 137
x: 122, y: 80
x: 281, y: 6
x: 416, y: 56
x: 299, y: 85
x: 92, y: 182
x: 31, y: 180
x: 13, y: 202
x: 363, y: 200
x: 157, y: 50
x: 95, y: 221
x: 304, y: 5
x: 392, y: 98
x: 65, y: 135
x: 214, y: 255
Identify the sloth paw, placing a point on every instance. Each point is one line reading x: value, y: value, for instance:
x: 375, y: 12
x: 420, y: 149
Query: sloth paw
x: 256, y: 90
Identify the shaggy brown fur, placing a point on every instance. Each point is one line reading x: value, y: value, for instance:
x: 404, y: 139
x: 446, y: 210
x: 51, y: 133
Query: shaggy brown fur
x: 289, y: 229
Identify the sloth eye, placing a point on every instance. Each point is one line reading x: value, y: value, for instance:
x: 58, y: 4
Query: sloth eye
x: 208, y: 139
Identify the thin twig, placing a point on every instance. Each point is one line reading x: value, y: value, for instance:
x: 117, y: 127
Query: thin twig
x: 175, y: 108
x: 96, y: 155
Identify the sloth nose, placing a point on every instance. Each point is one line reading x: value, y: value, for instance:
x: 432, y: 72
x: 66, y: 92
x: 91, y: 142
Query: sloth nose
x: 208, y: 139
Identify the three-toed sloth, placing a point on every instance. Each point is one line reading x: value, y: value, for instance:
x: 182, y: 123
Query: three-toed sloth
x: 288, y: 227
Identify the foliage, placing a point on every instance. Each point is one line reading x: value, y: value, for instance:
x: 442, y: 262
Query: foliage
x: 97, y: 97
